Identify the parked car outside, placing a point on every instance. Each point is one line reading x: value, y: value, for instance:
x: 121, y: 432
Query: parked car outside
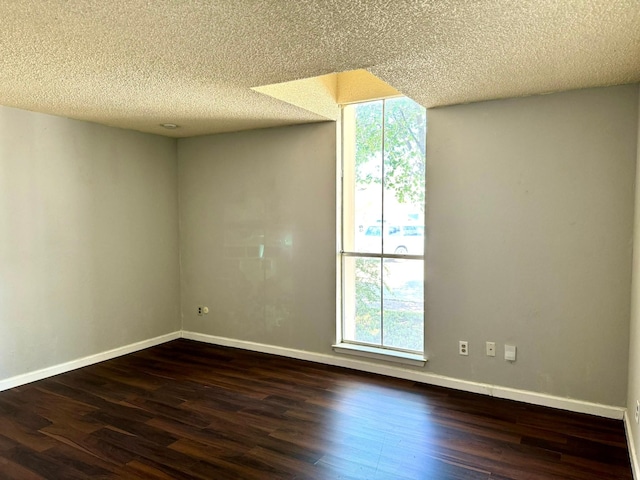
x: 398, y: 239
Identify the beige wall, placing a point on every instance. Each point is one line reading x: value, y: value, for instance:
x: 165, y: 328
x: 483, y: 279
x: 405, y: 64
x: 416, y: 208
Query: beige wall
x: 88, y: 239
x: 530, y: 216
x: 634, y: 337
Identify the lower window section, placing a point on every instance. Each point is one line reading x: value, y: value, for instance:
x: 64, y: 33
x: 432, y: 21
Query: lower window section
x: 383, y: 302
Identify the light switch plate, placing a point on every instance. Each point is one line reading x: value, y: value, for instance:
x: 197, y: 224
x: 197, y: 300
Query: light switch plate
x: 510, y: 353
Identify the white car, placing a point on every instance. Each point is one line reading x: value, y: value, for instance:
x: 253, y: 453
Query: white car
x: 398, y: 239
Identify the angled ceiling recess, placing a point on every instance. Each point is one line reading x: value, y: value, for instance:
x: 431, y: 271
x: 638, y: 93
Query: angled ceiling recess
x: 139, y: 63
x: 323, y: 95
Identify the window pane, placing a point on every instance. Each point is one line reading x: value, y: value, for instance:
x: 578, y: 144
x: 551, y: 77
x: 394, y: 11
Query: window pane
x: 362, y: 138
x: 404, y: 176
x: 362, y: 300
x: 403, y: 304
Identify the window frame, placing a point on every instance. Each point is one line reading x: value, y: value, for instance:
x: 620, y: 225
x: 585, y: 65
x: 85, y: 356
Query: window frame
x: 353, y: 347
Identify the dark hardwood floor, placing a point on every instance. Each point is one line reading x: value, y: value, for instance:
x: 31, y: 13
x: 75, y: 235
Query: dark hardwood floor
x: 190, y: 410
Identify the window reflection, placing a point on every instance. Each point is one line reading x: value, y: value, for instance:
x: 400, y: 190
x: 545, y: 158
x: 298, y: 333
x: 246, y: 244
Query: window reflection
x: 388, y: 431
x: 258, y: 266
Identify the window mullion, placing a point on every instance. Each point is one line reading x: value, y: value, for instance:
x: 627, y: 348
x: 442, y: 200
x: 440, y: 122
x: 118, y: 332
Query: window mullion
x: 383, y: 229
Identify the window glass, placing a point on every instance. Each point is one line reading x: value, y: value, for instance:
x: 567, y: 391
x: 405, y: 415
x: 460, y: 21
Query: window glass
x: 383, y: 234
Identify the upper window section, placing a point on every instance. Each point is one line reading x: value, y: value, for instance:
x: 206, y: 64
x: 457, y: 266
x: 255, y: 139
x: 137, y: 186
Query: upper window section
x: 387, y: 141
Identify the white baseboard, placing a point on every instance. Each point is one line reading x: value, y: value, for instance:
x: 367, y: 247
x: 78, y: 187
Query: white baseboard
x: 526, y: 396
x: 84, y: 361
x: 635, y: 466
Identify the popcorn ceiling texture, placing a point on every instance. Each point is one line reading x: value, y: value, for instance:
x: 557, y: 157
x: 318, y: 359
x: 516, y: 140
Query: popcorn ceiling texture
x: 138, y: 63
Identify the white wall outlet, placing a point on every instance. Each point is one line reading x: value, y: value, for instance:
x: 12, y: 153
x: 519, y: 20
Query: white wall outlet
x: 491, y: 349
x: 463, y: 347
x: 200, y: 310
x: 637, y: 411
x: 510, y: 353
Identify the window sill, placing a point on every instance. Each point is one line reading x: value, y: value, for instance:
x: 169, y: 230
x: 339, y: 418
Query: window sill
x: 414, y: 359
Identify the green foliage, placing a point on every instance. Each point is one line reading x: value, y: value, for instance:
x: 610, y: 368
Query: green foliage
x: 367, y: 281
x: 402, y: 167
x: 368, y: 300
x: 402, y: 326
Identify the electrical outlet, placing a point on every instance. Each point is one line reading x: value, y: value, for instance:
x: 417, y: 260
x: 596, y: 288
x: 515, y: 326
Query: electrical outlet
x: 463, y: 347
x: 637, y: 411
x: 491, y: 349
x: 200, y: 310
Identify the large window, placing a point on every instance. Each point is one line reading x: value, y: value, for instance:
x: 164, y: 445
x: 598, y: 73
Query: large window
x: 383, y: 234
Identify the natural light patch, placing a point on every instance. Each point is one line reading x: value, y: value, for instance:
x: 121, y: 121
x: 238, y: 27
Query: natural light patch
x: 323, y: 95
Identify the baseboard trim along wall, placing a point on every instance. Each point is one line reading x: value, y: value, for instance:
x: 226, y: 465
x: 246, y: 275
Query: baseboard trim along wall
x: 526, y: 396
x: 25, y: 378
x: 535, y: 398
x: 635, y: 466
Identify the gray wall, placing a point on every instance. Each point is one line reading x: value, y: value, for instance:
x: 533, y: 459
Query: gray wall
x: 634, y: 337
x: 530, y: 222
x: 88, y: 239
x: 257, y: 235
x: 530, y: 217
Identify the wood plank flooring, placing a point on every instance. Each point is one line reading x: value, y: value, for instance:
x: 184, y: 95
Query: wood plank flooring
x: 190, y: 410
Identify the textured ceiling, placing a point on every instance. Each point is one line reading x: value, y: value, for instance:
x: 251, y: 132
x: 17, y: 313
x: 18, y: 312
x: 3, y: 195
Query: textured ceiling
x: 138, y: 63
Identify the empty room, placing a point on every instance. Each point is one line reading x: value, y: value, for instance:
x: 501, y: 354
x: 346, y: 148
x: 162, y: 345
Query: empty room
x: 319, y: 239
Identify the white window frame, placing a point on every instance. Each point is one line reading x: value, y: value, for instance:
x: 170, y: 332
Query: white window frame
x: 350, y: 347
